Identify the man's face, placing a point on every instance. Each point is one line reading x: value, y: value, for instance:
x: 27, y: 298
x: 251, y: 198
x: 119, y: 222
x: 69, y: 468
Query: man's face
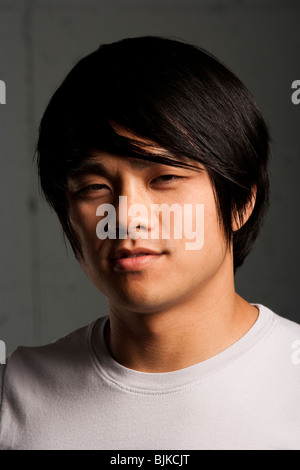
x: 145, y: 274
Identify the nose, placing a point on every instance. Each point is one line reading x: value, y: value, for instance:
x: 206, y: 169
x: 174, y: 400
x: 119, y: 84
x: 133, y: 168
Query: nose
x: 133, y: 210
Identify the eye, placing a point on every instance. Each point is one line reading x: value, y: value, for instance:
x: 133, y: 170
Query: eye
x: 93, y: 190
x: 166, y: 179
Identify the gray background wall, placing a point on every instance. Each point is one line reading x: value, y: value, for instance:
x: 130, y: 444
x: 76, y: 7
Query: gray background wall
x: 43, y: 293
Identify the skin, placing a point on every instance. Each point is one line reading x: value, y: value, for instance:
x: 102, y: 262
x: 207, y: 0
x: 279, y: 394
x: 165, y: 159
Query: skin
x: 185, y: 300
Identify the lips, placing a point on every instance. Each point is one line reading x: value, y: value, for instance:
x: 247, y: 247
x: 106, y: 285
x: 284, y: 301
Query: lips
x: 126, y: 253
x: 134, y: 260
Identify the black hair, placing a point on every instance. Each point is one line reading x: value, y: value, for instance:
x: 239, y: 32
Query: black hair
x: 175, y: 95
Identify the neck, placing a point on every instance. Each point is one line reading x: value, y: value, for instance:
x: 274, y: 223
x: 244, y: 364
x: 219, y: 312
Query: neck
x: 179, y: 336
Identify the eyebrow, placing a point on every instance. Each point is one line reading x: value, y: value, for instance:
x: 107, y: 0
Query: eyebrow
x: 91, y: 166
x: 98, y: 168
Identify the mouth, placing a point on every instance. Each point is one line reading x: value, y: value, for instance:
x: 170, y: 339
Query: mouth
x: 134, y: 260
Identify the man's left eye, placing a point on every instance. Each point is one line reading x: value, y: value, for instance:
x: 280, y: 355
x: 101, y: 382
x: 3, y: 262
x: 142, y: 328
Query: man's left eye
x: 166, y: 178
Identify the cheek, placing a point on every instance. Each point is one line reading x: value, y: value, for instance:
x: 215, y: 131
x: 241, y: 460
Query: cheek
x: 212, y: 229
x: 208, y: 220
x: 214, y: 247
x: 84, y: 221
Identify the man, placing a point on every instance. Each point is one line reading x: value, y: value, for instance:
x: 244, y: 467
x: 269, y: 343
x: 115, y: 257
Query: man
x: 182, y: 361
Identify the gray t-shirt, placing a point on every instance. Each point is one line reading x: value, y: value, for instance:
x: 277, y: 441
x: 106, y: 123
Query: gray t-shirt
x: 72, y: 394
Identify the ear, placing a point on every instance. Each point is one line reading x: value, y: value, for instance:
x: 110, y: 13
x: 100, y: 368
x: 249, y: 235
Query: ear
x: 238, y: 220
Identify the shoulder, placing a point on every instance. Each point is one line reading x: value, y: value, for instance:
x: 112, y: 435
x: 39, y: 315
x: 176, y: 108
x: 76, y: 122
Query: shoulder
x: 289, y: 335
x: 39, y: 383
x: 31, y: 368
x: 288, y: 329
x: 282, y: 342
x: 281, y: 324
x: 67, y: 349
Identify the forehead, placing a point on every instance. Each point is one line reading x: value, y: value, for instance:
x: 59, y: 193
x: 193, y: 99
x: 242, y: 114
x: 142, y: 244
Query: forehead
x: 100, y: 163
